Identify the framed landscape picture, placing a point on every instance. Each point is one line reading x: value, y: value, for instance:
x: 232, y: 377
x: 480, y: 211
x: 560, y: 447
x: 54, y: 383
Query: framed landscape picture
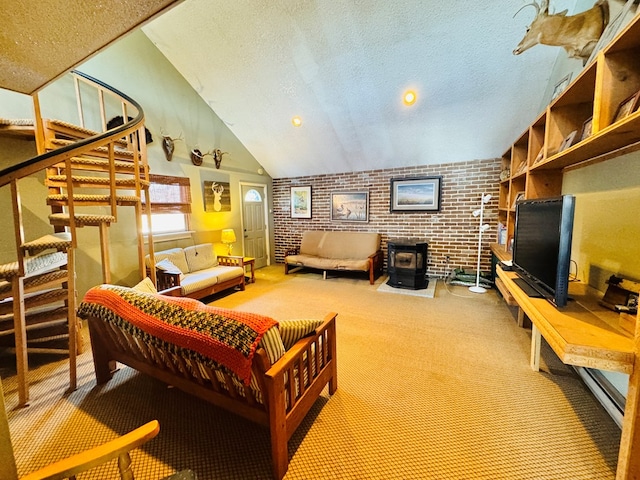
x: 301, y: 202
x: 416, y: 194
x: 350, y: 206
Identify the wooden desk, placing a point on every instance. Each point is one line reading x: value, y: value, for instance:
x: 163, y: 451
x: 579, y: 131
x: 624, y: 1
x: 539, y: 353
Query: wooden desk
x: 588, y: 335
x: 583, y: 333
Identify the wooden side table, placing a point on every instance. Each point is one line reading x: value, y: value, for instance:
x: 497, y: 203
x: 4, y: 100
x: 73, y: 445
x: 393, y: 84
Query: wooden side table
x: 252, y: 263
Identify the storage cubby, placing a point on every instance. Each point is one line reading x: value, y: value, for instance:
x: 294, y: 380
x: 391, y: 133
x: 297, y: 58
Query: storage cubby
x: 568, y: 114
x: 595, y: 95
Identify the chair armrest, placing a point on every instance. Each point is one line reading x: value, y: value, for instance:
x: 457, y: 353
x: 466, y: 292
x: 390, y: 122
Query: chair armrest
x: 166, y: 280
x: 172, y: 292
x: 120, y: 447
x: 230, y: 260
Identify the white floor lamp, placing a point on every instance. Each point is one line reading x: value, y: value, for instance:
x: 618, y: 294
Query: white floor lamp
x: 483, y: 228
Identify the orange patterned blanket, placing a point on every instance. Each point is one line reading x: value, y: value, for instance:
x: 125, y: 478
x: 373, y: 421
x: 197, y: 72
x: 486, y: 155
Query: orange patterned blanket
x: 227, y: 337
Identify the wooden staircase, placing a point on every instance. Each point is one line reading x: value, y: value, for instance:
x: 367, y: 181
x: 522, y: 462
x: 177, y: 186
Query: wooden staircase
x: 88, y: 175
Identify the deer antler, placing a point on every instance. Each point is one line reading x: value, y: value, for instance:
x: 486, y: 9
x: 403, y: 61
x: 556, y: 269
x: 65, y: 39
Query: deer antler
x: 532, y: 4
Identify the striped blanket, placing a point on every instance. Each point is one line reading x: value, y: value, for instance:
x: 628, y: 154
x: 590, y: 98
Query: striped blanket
x: 228, y: 338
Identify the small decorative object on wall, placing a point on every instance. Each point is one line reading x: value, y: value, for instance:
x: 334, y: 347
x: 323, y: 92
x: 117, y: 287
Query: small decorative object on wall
x: 197, y: 157
x: 568, y: 141
x: 421, y: 194
x: 561, y: 86
x: 217, y: 156
x: 627, y: 107
x: 217, y: 197
x: 586, y: 129
x: 301, y: 202
x: 117, y: 121
x: 168, y: 145
x: 350, y: 206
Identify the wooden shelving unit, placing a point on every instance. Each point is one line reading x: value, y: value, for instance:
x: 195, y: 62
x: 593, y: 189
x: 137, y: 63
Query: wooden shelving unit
x: 581, y: 127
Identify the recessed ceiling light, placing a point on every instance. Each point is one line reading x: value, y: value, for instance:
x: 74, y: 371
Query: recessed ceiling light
x: 297, y: 121
x: 409, y: 97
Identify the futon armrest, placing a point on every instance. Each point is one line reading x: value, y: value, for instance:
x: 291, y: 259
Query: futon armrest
x: 166, y: 280
x: 230, y: 261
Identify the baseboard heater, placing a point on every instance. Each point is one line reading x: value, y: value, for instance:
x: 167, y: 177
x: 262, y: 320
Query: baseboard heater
x: 610, y: 398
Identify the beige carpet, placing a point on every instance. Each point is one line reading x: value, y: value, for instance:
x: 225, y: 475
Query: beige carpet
x: 427, y: 389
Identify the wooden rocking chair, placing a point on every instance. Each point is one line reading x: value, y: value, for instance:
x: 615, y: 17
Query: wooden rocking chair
x: 70, y: 467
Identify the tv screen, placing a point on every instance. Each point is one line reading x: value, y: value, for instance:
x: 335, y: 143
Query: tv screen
x: 542, y: 245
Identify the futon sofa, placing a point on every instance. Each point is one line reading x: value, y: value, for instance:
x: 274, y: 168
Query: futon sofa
x: 196, y: 271
x: 268, y: 372
x: 337, y: 250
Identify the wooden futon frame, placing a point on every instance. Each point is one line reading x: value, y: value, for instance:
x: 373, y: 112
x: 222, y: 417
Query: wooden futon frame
x: 289, y: 387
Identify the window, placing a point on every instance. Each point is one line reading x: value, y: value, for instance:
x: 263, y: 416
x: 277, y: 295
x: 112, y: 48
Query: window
x: 170, y: 204
x: 253, y: 196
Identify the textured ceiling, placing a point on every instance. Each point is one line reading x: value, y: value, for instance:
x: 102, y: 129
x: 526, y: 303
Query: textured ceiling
x: 40, y: 41
x: 342, y: 65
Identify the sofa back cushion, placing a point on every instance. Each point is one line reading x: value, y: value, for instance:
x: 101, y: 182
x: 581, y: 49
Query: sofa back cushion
x: 341, y: 245
x: 174, y: 255
x: 311, y: 241
x: 200, y: 257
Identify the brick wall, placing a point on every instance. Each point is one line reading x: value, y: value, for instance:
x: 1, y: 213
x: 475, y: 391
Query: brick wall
x: 452, y: 232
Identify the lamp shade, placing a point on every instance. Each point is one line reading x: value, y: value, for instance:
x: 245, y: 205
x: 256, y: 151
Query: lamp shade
x: 228, y: 235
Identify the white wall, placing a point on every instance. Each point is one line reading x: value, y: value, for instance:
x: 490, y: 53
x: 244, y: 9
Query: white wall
x: 135, y: 67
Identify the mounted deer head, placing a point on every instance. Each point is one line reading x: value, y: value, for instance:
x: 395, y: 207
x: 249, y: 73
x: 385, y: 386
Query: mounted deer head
x: 217, y: 157
x: 577, y: 34
x: 168, y: 145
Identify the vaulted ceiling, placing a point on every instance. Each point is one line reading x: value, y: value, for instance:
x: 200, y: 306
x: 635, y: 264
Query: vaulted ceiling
x: 340, y: 65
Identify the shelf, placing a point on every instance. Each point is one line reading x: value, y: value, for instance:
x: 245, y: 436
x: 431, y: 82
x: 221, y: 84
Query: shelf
x: 615, y: 137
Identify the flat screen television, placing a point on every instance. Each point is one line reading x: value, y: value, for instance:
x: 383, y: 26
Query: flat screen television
x: 542, y: 246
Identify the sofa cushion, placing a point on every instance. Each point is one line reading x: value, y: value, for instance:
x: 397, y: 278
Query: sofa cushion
x: 200, y: 257
x: 168, y: 266
x: 146, y: 285
x: 174, y: 255
x: 349, y: 245
x: 210, y: 276
x: 321, y: 263
x: 293, y: 330
x: 311, y: 242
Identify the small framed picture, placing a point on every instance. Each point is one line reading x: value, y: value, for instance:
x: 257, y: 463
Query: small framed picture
x: 586, y: 129
x: 301, y: 202
x: 540, y: 156
x: 519, y: 196
x: 350, y: 206
x: 420, y: 194
x: 561, y: 85
x: 627, y: 107
x: 568, y: 141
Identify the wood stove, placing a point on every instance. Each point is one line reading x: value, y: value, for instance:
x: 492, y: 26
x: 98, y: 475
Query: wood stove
x: 407, y: 263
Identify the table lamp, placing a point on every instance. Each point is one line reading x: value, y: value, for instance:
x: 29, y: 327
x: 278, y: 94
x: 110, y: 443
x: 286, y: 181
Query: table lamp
x: 229, y: 237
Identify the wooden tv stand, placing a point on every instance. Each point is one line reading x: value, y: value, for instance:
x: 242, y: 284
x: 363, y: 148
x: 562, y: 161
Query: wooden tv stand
x: 588, y: 335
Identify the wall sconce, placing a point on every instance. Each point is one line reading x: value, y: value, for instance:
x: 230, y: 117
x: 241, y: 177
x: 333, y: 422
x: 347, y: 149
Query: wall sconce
x: 228, y: 238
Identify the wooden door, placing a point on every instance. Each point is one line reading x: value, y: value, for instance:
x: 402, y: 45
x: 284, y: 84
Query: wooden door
x: 254, y: 224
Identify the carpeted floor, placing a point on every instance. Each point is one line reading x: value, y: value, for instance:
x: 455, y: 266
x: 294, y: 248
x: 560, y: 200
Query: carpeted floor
x: 427, y: 389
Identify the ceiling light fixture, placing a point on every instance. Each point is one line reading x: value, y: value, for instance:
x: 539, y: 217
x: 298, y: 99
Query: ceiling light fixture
x: 409, y: 98
x: 297, y: 121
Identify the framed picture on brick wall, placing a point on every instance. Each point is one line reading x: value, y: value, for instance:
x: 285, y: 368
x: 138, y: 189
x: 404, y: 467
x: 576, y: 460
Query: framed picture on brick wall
x: 301, y: 202
x: 350, y: 206
x: 418, y: 194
